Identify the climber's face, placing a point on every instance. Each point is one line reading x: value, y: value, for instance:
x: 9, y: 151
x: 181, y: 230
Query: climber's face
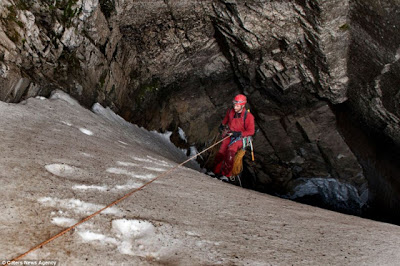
x: 238, y: 108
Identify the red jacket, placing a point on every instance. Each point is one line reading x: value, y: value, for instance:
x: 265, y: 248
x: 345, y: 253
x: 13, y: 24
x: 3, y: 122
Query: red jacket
x: 238, y: 123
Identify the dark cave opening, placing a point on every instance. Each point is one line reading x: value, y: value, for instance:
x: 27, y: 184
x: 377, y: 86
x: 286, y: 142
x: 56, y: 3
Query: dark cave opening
x: 379, y: 156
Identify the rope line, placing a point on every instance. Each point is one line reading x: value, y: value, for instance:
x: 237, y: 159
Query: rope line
x: 110, y: 205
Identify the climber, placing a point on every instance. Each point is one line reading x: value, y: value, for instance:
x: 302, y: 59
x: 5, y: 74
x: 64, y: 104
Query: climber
x: 238, y: 123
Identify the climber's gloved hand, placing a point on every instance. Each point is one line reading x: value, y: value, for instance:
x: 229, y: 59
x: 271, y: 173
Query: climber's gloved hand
x: 236, y: 134
x: 221, y: 128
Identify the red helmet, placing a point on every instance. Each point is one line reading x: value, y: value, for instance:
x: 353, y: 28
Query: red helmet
x: 240, y: 99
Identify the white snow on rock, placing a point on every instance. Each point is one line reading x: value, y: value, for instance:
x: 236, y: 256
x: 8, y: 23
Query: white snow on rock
x: 120, y: 171
x: 63, y: 221
x: 190, y: 233
x: 91, y: 187
x: 127, y: 164
x: 66, y: 123
x: 76, y: 205
x: 138, y: 238
x: 62, y: 170
x: 86, y: 131
x: 134, y: 238
x: 166, y: 136
x: 133, y: 228
x: 202, y: 243
x: 89, y: 236
x: 129, y: 185
x: 154, y: 141
x: 155, y: 169
x: 60, y: 95
x: 152, y: 160
x: 182, y: 134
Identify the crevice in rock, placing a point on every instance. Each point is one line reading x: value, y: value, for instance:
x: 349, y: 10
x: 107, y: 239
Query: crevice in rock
x: 379, y: 157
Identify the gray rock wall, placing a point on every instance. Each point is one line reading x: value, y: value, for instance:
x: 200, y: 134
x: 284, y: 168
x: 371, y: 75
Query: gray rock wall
x: 374, y: 95
x: 291, y: 60
x: 374, y: 65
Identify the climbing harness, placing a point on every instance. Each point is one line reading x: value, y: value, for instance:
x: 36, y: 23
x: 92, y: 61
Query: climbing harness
x: 109, y: 205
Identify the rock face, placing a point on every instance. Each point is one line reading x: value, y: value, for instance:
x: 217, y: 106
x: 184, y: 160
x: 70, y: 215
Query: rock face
x: 176, y: 64
x: 374, y: 94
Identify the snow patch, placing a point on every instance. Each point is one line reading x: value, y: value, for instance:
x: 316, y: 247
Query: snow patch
x: 89, y: 236
x: 120, y: 171
x: 128, y: 186
x: 86, y: 131
x: 156, y: 169
x: 194, y: 151
x: 86, y: 154
x: 182, y: 134
x: 76, y: 205
x: 189, y: 233
x: 138, y: 238
x: 63, y: 221
x: 152, y: 160
x: 135, y: 238
x: 66, y: 123
x: 91, y: 187
x: 62, y: 170
x: 166, y: 136
x: 127, y: 164
x: 203, y: 243
x: 133, y: 228
x: 60, y: 95
x: 152, y: 140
